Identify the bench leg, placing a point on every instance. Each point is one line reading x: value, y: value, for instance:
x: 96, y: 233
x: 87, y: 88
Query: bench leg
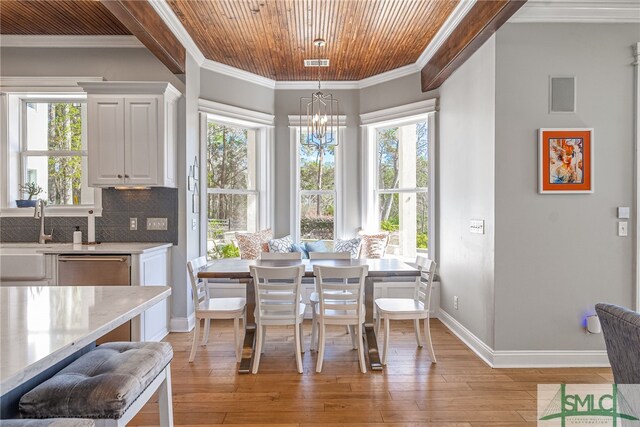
x: 165, y: 400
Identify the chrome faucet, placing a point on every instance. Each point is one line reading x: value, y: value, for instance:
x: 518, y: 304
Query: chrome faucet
x: 39, y: 213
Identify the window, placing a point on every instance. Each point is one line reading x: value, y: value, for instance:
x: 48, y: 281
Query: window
x: 232, y: 196
x: 44, y: 143
x: 315, y: 186
x: 54, y: 151
x: 399, y: 182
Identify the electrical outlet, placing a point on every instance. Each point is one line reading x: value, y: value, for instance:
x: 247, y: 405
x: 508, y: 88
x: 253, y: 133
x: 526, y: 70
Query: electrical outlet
x: 194, y: 224
x: 156, y: 223
x: 623, y: 228
x: 133, y: 223
x: 455, y: 302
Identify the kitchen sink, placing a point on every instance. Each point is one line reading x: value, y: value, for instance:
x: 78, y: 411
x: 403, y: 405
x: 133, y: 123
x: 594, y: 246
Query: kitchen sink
x: 22, y: 261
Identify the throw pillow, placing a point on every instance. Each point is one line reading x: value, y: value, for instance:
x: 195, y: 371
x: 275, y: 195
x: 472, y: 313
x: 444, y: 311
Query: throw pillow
x: 300, y: 247
x: 281, y: 246
x: 251, y: 244
x: 374, y: 245
x: 318, y: 246
x: 352, y: 246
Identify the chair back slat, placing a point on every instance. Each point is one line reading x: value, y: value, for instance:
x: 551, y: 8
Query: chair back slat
x: 199, y: 287
x: 329, y: 255
x: 424, y: 283
x: 341, y: 292
x: 277, y: 291
x: 289, y: 256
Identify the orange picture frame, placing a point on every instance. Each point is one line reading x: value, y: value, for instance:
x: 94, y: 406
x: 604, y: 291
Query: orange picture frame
x: 565, y: 161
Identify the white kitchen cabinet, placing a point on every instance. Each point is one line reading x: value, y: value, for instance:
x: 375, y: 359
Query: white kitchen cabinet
x: 132, y: 132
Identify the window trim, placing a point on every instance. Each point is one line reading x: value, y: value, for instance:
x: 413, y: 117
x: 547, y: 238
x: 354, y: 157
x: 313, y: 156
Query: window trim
x: 14, y: 92
x: 260, y: 122
x: 396, y: 116
x: 295, y: 128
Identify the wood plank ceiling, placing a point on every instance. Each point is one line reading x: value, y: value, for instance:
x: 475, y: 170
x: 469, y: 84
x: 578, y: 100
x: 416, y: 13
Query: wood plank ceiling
x: 273, y: 37
x: 61, y: 17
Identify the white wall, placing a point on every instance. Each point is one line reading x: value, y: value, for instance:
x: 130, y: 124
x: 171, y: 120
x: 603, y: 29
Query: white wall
x: 558, y: 255
x: 466, y: 180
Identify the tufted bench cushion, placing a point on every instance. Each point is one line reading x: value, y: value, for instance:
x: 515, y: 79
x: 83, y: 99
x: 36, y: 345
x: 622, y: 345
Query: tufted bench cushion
x: 100, y: 384
x: 55, y: 422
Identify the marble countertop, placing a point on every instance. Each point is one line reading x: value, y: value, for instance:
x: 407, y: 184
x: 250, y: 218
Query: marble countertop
x: 69, y: 248
x: 42, y: 325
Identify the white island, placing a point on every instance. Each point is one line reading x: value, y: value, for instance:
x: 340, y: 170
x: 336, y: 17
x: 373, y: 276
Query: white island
x: 42, y: 325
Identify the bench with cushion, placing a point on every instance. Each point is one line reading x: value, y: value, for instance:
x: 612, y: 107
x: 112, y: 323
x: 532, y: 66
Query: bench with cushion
x: 109, y: 385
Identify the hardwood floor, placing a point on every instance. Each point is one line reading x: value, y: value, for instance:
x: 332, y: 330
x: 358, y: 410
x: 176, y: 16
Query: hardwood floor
x: 458, y: 391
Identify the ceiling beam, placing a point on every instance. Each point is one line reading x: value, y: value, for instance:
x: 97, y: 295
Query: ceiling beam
x: 142, y: 20
x: 484, y: 19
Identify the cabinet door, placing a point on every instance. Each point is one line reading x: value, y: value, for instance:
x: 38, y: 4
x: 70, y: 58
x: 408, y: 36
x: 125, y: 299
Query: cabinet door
x: 105, y: 140
x: 141, y: 140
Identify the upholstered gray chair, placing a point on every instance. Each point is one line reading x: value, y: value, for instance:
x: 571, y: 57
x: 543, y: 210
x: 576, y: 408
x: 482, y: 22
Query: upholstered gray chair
x: 621, y: 328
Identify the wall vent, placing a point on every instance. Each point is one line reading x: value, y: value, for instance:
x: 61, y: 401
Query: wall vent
x: 316, y: 62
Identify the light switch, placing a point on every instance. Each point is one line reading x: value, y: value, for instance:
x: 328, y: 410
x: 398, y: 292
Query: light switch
x: 476, y: 226
x: 623, y: 228
x: 133, y: 223
x: 623, y: 212
x: 156, y: 223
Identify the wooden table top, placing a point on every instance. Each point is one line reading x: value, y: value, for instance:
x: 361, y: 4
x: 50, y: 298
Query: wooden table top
x: 239, y: 268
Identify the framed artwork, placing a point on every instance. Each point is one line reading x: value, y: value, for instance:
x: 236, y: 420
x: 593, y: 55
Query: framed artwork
x: 565, y: 161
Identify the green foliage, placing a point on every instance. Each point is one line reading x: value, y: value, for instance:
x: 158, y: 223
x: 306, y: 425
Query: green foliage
x: 317, y: 228
x: 230, y: 251
x: 31, y: 189
x: 422, y: 241
x: 390, y: 225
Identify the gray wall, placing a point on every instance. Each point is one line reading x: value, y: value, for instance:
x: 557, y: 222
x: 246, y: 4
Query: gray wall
x: 393, y: 93
x: 231, y: 91
x: 558, y: 255
x: 287, y: 102
x: 466, y: 191
x: 136, y: 64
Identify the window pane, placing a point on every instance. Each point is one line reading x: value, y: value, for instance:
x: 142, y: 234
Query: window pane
x: 54, y: 126
x: 228, y: 213
x: 231, y: 157
x: 403, y: 156
x: 317, y: 166
x: 317, y: 217
x: 405, y: 217
x: 62, y: 178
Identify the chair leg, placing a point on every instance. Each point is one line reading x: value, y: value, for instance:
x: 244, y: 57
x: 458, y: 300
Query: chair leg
x: 258, y: 349
x: 363, y: 367
x: 351, y: 330
x: 207, y: 326
x: 301, y: 334
x: 385, y: 345
x: 264, y: 335
x: 194, y: 343
x: 416, y: 327
x: 427, y: 332
x: 165, y: 401
x: 378, y: 321
x: 348, y: 330
x: 321, y: 340
x: 297, y: 339
x: 314, y: 329
x: 236, y: 337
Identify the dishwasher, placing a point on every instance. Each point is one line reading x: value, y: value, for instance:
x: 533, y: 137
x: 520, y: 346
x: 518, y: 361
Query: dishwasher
x: 98, y: 270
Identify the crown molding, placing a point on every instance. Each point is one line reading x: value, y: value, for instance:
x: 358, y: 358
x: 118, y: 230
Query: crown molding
x: 578, y: 12
x: 444, y: 32
x: 51, y: 41
x: 313, y: 85
x: 388, y: 75
x: 165, y: 12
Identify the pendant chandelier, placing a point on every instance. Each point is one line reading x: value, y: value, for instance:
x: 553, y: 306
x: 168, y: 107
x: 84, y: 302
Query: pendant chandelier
x: 321, y: 114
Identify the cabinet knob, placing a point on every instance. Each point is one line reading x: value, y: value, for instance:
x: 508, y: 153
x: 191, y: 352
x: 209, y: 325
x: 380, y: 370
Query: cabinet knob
x: 119, y: 176
x: 126, y: 176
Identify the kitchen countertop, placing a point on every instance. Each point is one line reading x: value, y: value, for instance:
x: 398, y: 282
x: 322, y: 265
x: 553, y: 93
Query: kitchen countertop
x: 42, y: 325
x: 111, y: 248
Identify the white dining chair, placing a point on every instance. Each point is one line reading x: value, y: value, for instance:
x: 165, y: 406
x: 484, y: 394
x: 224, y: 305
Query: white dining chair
x: 416, y: 308
x: 207, y: 308
x: 341, y: 302
x: 313, y: 298
x: 277, y: 256
x: 277, y: 291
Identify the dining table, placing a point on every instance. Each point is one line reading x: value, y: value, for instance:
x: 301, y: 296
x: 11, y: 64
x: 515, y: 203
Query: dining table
x: 379, y: 270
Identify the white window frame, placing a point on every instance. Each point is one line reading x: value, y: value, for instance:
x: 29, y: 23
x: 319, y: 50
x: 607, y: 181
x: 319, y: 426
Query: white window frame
x: 262, y: 124
x: 14, y: 91
x: 295, y: 128
x: 392, y: 117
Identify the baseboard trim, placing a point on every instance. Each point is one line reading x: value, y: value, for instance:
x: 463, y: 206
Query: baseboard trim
x: 526, y: 358
x: 182, y: 324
